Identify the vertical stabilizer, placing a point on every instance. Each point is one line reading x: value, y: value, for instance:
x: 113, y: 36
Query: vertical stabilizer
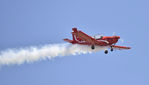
x: 73, y: 33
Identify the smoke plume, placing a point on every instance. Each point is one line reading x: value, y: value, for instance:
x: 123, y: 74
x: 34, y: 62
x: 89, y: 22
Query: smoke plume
x: 35, y: 53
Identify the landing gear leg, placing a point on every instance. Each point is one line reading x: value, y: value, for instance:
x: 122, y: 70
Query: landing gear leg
x: 93, y: 47
x: 111, y: 48
x: 106, y: 51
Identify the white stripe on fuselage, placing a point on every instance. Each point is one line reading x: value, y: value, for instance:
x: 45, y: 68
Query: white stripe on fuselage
x: 104, y: 41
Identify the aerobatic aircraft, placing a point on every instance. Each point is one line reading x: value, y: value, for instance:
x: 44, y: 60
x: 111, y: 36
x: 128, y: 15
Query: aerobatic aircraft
x: 82, y: 38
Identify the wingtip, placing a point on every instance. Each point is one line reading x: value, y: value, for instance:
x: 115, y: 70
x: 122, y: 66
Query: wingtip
x: 129, y: 47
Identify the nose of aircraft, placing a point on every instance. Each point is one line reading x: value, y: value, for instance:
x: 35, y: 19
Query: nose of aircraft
x: 118, y: 37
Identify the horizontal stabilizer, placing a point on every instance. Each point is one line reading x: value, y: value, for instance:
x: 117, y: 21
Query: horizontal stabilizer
x: 68, y: 40
x: 120, y: 47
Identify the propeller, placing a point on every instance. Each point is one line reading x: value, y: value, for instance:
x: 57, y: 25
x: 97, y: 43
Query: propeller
x: 122, y: 40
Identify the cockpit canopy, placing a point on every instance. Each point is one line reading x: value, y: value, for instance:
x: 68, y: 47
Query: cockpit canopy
x: 98, y: 36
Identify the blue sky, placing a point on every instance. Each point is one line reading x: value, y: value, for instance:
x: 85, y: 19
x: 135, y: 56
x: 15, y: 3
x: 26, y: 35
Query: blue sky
x: 38, y: 22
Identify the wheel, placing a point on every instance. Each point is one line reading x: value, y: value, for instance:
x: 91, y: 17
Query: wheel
x: 106, y: 51
x: 93, y: 47
x: 111, y: 49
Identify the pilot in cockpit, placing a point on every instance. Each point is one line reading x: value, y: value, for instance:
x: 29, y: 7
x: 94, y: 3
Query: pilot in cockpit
x: 98, y: 36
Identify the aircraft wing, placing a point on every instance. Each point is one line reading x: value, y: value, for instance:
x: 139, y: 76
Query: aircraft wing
x: 81, y: 35
x: 120, y: 47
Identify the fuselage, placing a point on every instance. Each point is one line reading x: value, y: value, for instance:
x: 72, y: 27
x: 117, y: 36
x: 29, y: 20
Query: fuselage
x: 104, y: 41
x: 80, y: 37
x: 111, y: 39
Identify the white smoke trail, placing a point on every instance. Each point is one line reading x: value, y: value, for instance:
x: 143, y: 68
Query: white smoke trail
x: 31, y: 54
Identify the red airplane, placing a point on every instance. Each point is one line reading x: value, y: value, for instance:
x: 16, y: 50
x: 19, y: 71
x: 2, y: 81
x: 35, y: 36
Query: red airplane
x: 81, y: 38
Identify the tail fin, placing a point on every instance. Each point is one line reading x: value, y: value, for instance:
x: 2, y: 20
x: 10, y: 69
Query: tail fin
x: 74, y: 29
x: 73, y: 34
x: 74, y: 37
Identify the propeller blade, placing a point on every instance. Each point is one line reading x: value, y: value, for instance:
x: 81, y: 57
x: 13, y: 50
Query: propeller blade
x: 121, y: 40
